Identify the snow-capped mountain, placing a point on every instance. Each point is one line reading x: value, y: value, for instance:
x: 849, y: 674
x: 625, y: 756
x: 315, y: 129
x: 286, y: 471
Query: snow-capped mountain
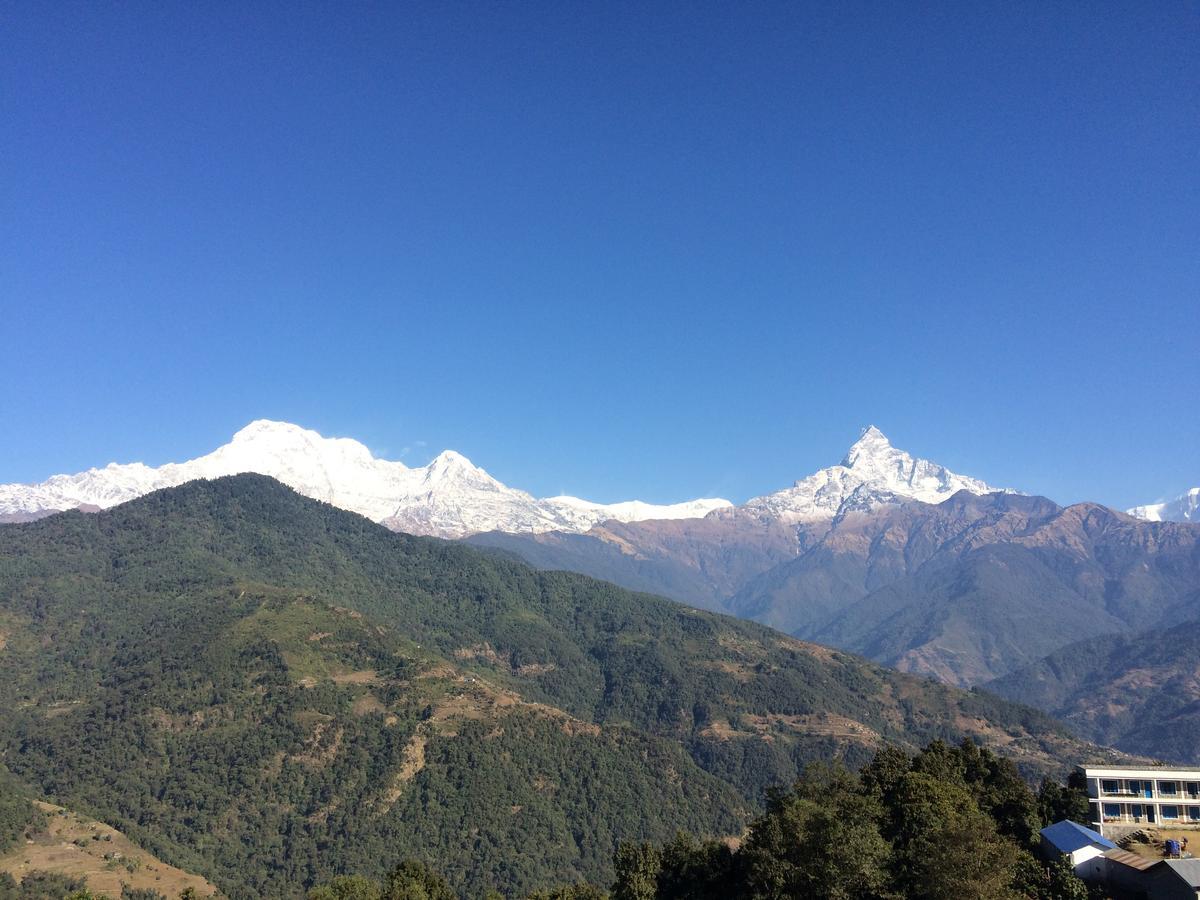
x: 873, y: 474
x: 1184, y: 508
x: 449, y: 497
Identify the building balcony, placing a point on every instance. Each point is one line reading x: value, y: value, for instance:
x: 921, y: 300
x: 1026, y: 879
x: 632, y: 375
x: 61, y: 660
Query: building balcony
x: 1152, y: 798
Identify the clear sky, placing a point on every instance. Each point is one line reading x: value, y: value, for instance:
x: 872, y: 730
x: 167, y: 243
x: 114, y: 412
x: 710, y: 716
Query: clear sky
x: 611, y: 249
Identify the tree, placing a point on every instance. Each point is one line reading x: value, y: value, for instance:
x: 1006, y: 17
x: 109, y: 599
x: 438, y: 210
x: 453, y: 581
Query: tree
x: 347, y: 887
x: 1001, y: 792
x: 132, y: 893
x: 881, y: 776
x: 572, y: 892
x: 821, y: 839
x: 692, y: 870
x: 945, y: 848
x: 1057, y: 881
x: 1057, y: 802
x: 637, y: 868
x: 412, y: 880
x: 40, y: 885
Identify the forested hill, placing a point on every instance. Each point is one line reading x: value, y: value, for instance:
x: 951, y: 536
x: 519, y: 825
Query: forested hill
x: 268, y: 690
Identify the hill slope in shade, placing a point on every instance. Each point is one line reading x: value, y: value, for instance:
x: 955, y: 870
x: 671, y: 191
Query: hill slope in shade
x: 1139, y: 692
x: 266, y: 689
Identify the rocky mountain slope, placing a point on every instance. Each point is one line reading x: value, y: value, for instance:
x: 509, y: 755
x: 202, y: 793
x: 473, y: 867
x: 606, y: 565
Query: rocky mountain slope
x: 449, y: 497
x: 1184, y: 508
x: 964, y: 590
x: 973, y: 587
x: 260, y: 687
x: 1138, y: 691
x: 706, y: 561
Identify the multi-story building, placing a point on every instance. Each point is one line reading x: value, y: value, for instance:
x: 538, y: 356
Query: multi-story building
x: 1126, y: 798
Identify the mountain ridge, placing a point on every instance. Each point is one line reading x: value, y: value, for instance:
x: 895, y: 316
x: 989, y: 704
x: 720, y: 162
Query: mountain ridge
x: 963, y: 590
x: 453, y: 498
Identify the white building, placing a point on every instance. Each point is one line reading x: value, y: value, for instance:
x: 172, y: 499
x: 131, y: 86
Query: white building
x: 1083, y: 847
x: 1126, y: 798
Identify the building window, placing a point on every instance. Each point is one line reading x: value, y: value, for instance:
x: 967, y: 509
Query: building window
x: 1193, y: 789
x: 1110, y: 787
x: 1168, y: 788
x: 1112, y: 810
x: 1194, y: 813
x: 1170, y: 812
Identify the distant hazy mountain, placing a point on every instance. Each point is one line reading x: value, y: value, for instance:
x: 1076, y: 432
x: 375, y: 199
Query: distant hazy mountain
x: 1184, y: 508
x: 1139, y: 692
x: 450, y: 497
x: 964, y: 590
x: 973, y: 587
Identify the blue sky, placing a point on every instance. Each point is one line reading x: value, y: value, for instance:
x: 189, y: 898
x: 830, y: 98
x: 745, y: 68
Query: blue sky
x: 653, y: 250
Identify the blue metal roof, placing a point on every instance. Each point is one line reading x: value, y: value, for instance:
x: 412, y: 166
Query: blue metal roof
x: 1067, y: 837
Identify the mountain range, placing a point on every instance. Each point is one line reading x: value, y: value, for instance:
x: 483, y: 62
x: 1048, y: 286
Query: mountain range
x: 268, y: 690
x: 886, y: 555
x: 450, y: 497
x: 964, y: 590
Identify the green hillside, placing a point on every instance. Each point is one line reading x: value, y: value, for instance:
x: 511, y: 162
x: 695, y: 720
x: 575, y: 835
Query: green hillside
x: 270, y: 691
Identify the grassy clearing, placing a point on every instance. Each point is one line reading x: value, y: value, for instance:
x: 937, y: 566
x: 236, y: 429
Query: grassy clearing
x: 81, y: 847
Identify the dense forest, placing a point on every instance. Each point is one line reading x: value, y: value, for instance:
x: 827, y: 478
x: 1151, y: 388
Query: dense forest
x: 270, y: 691
x: 942, y: 824
x: 945, y: 824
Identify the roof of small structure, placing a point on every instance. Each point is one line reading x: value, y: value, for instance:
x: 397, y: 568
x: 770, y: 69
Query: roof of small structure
x: 1187, y: 869
x: 1067, y: 837
x: 1125, y: 858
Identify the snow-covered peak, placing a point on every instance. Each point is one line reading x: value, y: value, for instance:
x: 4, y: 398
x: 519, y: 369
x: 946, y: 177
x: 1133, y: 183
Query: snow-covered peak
x: 873, y: 473
x: 871, y: 445
x: 268, y: 428
x: 449, y: 497
x: 452, y: 464
x: 1184, y: 508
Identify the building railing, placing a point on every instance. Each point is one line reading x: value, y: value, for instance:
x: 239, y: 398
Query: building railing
x: 1154, y: 795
